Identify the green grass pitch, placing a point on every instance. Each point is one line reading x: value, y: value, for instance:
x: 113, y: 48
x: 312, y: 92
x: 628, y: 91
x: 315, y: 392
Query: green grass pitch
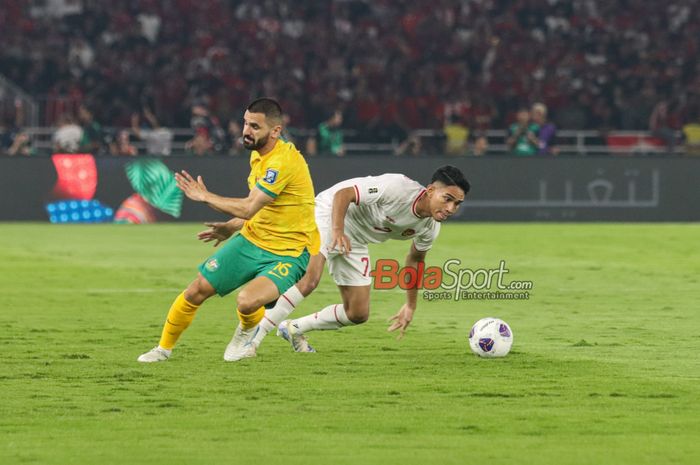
x: 605, y: 367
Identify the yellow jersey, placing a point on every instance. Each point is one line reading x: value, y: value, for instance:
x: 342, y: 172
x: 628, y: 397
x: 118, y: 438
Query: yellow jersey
x: 287, y: 225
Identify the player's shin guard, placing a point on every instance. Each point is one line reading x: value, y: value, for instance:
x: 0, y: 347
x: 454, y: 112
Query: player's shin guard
x: 180, y: 316
x: 275, y: 315
x: 251, y: 320
x: 331, y: 317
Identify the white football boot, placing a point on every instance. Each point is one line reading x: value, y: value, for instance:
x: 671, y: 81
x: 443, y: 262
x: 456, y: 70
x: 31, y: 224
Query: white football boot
x: 156, y: 354
x: 242, y: 344
x: 290, y: 333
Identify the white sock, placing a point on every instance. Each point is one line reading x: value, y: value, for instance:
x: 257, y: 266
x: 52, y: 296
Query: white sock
x: 275, y: 315
x: 331, y: 317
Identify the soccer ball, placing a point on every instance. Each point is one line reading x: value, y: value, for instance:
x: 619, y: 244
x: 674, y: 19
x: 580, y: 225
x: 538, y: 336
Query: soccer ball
x: 490, y: 337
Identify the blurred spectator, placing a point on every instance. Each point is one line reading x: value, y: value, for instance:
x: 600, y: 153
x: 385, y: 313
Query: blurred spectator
x: 81, y: 56
x: 638, y: 106
x: 575, y: 115
x: 209, y: 135
x: 665, y: 124
x: 522, y: 135
x: 288, y: 132
x: 330, y: 135
x: 456, y: 135
x: 150, y: 22
x: 7, y: 134
x: 158, y: 139
x: 68, y: 135
x: 480, y: 146
x: 21, y: 145
x: 691, y: 133
x: 234, y: 138
x: 122, y: 146
x: 92, y: 137
x: 412, y: 146
x: 199, y: 145
x: 547, y: 130
x: 380, y: 58
x: 298, y: 136
x: 311, y: 147
x: 13, y: 140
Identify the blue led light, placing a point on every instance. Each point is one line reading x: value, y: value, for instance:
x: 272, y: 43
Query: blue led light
x: 79, y: 211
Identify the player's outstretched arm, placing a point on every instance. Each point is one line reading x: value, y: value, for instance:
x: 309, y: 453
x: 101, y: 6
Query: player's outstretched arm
x: 240, y: 208
x: 220, y: 231
x: 341, y: 201
x: 404, y: 316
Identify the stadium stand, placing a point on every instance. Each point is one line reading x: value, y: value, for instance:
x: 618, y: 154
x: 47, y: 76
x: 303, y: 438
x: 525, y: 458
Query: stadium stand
x: 393, y: 67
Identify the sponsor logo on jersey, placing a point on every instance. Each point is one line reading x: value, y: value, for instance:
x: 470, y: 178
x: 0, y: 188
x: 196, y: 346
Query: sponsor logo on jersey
x: 373, y: 190
x: 270, y: 176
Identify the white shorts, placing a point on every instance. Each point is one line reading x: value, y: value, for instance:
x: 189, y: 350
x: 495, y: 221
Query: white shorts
x: 347, y: 270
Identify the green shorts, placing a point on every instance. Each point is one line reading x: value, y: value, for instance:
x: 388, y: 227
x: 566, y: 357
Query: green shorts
x: 240, y: 261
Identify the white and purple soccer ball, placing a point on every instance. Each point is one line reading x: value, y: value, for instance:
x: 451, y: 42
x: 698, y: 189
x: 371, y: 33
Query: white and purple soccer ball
x: 490, y: 337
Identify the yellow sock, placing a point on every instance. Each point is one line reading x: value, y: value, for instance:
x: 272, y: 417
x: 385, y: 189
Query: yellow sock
x: 179, y: 318
x: 251, y: 320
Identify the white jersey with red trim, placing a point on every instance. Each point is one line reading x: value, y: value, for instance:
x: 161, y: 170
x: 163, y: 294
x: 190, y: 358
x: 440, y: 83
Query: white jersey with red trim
x: 385, y: 209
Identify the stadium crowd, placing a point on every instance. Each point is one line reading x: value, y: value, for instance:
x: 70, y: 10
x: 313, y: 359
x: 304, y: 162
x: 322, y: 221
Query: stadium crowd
x: 387, y: 66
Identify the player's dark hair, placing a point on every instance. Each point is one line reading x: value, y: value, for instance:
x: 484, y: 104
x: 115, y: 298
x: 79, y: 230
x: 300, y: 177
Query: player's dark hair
x: 451, y: 176
x: 267, y: 106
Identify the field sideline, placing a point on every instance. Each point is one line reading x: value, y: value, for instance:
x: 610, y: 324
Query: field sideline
x: 604, y: 369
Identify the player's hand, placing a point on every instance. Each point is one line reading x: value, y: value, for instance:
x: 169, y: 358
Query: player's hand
x: 340, y: 241
x: 217, y: 231
x: 401, y: 320
x: 193, y: 189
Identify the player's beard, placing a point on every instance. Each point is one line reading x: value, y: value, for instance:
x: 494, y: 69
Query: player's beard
x: 256, y: 144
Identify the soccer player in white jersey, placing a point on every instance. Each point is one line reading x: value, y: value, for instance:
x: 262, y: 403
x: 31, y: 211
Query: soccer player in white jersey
x: 349, y: 216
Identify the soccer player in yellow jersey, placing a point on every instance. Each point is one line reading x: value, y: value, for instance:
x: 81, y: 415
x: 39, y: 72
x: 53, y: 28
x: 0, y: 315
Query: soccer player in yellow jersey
x: 277, y: 234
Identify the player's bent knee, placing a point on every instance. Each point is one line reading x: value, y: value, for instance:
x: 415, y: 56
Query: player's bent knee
x: 359, y: 319
x: 358, y: 316
x: 199, y: 291
x: 246, y: 303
